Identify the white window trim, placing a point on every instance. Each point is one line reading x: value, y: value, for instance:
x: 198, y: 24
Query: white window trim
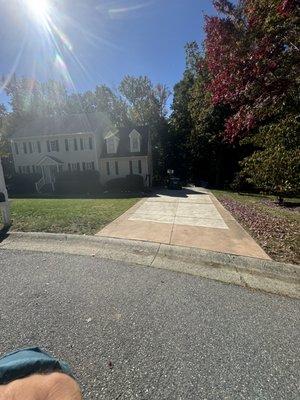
x: 115, y: 141
x: 135, y: 135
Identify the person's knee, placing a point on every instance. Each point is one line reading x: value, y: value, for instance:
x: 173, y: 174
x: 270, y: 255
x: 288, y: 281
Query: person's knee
x: 63, y: 387
x: 52, y: 386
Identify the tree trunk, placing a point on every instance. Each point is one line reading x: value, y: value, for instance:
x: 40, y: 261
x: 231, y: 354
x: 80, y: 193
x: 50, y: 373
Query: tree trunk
x: 280, y: 200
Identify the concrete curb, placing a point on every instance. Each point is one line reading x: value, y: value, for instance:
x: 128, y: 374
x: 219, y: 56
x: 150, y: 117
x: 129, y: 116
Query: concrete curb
x: 265, y: 275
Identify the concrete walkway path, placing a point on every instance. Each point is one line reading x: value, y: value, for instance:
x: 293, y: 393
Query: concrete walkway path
x: 192, y: 217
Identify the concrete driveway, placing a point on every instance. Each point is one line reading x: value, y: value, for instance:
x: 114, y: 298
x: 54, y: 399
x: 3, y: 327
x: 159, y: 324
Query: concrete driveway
x: 191, y: 217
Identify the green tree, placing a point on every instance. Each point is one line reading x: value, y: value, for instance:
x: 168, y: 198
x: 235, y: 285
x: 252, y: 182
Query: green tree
x: 146, y: 106
x: 113, y: 105
x: 274, y: 166
x: 180, y: 128
x: 3, y: 136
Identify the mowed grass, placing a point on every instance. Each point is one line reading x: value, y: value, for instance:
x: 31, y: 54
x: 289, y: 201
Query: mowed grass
x: 80, y: 216
x: 275, y: 228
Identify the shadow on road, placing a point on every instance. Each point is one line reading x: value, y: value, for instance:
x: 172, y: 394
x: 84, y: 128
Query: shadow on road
x: 4, y: 233
x: 176, y: 193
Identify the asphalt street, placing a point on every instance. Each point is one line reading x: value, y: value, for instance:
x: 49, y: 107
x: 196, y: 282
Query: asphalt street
x: 131, y: 332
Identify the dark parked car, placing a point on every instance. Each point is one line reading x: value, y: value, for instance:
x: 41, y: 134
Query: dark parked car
x: 174, y: 184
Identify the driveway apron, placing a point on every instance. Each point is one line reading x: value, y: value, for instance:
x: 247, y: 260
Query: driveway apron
x: 192, y: 217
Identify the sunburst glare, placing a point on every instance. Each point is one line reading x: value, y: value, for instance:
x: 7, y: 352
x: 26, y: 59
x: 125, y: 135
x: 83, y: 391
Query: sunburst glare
x: 39, y: 9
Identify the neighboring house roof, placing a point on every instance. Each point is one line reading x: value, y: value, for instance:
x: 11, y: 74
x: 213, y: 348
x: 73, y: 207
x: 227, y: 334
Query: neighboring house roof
x: 124, y: 142
x: 65, y: 124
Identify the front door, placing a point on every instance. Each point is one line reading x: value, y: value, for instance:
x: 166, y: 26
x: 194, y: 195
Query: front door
x: 46, y: 173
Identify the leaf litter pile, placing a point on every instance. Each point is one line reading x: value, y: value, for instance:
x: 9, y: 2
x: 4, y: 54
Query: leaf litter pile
x: 275, y: 228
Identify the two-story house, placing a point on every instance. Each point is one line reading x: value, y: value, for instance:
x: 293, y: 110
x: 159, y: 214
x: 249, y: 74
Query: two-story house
x: 49, y: 146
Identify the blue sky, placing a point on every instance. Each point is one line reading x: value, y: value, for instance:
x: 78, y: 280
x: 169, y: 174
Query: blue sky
x: 100, y: 41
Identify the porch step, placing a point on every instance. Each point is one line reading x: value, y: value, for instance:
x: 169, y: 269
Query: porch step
x: 47, y: 188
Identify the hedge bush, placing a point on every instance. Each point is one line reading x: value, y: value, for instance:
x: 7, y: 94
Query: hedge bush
x: 129, y: 183
x: 78, y: 182
x: 22, y: 183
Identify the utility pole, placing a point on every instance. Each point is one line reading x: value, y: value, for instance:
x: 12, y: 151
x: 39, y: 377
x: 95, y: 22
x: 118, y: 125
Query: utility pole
x: 4, y: 204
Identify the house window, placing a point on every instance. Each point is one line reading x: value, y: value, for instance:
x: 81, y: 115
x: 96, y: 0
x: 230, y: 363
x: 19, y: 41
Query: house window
x: 25, y: 148
x: 91, y: 143
x: 48, y: 146
x: 54, y: 146
x: 110, y: 146
x: 81, y: 144
x: 107, y: 168
x: 30, y: 147
x: 39, y: 147
x: 130, y: 168
x: 75, y: 144
x: 66, y: 144
x: 74, y: 167
x: 90, y: 166
x: 140, y: 166
x: 83, y: 166
x: 16, y: 148
x: 60, y: 168
x: 135, y: 167
x: 135, y: 142
x: 117, y: 167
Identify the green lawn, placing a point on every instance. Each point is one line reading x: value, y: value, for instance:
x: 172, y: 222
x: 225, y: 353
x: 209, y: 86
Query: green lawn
x: 275, y: 228
x: 81, y: 216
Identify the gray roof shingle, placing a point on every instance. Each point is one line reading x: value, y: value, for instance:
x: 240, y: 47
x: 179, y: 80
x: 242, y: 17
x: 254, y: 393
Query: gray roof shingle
x: 65, y: 124
x: 124, y: 143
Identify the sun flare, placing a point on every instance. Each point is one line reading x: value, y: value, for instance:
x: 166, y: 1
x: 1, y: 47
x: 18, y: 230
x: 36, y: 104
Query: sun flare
x: 38, y: 8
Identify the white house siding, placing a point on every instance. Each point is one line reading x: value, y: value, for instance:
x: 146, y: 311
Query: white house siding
x: 124, y: 168
x: 27, y: 161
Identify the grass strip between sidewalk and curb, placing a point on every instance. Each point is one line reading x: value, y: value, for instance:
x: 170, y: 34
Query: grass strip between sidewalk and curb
x: 254, y: 273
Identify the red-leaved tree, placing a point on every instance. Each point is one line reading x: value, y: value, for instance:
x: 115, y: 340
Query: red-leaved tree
x: 251, y: 54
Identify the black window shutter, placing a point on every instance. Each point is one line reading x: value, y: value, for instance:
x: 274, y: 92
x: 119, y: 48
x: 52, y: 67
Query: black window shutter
x: 39, y: 147
x: 117, y: 167
x: 83, y: 166
x: 78, y: 166
x: 91, y: 143
x: 67, y: 144
x: 107, y: 168
x: 75, y: 144
x: 140, y: 166
x: 130, y: 167
x: 81, y: 143
x: 48, y: 146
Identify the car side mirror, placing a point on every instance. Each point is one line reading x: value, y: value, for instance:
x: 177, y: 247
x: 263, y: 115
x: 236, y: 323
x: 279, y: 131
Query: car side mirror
x: 2, y: 197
